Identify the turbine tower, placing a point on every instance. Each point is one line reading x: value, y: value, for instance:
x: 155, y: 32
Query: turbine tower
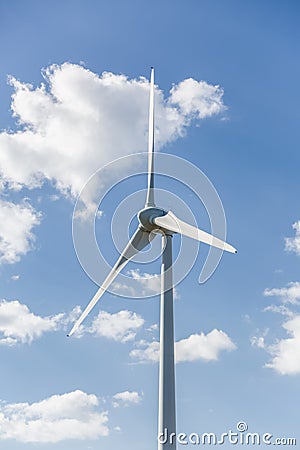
x: 152, y: 221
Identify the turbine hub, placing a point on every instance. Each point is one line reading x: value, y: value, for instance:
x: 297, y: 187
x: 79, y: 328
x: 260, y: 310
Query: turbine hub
x: 147, y: 215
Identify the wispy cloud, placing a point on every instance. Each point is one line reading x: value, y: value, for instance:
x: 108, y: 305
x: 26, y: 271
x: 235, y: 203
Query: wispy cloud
x: 147, y: 284
x: 15, y: 277
x: 145, y: 351
x: 16, y: 224
x: 289, y: 294
x: 258, y: 339
x: 126, y: 398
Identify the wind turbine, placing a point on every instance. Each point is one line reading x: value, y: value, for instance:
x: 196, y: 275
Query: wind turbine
x: 152, y: 221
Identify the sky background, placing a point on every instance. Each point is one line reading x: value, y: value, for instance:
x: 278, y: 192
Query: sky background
x: 227, y: 101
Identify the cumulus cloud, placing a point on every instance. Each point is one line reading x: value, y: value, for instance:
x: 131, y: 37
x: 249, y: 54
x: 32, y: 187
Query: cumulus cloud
x: 286, y: 352
x: 66, y: 127
x: 126, y: 398
x: 74, y: 415
x: 121, y: 326
x: 203, y: 346
x: 292, y: 244
x: 19, y: 325
x: 16, y: 224
x: 197, y: 98
x: 196, y: 347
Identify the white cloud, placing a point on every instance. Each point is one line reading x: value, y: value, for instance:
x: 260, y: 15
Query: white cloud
x: 73, y: 415
x: 73, y: 315
x: 54, y: 197
x: 197, y: 98
x: 289, y: 294
x: 78, y: 121
x: 16, y: 224
x: 121, y: 326
x: 203, y: 346
x: 15, y: 277
x: 149, y: 284
x: 126, y: 398
x: 194, y: 348
x: 280, y: 309
x: 259, y: 339
x: 286, y: 352
x: 292, y: 244
x: 146, y: 351
x: 246, y: 318
x: 152, y: 328
x: 19, y: 325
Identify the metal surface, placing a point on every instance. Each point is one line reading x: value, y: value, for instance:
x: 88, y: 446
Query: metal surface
x: 170, y: 222
x: 167, y: 410
x: 150, y: 191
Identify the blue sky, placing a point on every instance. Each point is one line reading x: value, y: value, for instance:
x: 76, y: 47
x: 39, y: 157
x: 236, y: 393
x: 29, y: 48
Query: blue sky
x: 247, y: 146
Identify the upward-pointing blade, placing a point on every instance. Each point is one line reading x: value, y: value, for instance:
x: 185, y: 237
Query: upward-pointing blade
x: 138, y: 241
x: 150, y: 191
x: 172, y: 223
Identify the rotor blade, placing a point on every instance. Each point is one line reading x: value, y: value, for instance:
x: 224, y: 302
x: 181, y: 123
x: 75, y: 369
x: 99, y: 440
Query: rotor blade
x: 138, y: 241
x: 172, y: 223
x: 150, y: 191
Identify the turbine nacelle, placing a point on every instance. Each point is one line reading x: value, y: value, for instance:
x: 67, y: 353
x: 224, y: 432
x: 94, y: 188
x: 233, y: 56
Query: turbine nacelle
x: 147, y: 218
